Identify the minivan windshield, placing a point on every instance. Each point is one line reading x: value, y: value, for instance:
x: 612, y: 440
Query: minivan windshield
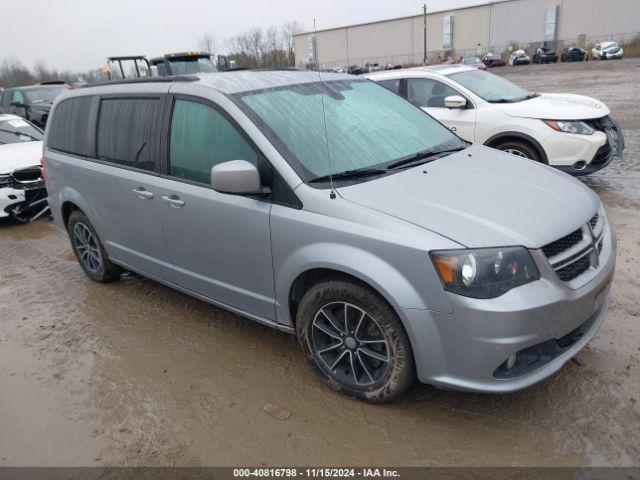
x: 490, y: 87
x: 340, y: 126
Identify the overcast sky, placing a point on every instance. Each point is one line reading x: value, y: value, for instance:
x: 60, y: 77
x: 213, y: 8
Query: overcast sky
x: 80, y: 34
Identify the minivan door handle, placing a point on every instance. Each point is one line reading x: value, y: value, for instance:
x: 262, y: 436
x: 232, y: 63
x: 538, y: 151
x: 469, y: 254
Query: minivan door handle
x: 173, y: 200
x: 142, y: 193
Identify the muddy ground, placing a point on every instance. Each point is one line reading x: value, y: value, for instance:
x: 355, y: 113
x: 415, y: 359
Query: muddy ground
x: 133, y: 373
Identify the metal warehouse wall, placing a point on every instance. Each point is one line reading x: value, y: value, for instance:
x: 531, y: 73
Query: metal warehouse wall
x: 597, y: 19
x: 491, y: 25
x: 470, y: 27
x: 399, y: 40
x: 522, y: 21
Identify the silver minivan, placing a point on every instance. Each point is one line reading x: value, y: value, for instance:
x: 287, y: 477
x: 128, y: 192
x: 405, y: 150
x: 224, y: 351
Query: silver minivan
x: 328, y: 207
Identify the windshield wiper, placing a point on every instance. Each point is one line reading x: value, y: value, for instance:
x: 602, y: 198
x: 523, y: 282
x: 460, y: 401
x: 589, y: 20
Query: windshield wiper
x: 422, y: 157
x: 19, y: 134
x: 358, y: 172
x: 515, y: 100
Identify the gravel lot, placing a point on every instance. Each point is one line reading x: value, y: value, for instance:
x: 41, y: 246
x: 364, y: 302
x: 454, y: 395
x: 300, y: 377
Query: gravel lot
x: 133, y: 373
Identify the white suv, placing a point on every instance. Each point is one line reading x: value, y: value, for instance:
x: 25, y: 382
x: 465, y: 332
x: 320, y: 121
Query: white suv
x: 573, y: 133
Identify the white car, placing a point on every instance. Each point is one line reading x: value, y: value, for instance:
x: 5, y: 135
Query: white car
x: 607, y: 51
x: 23, y: 195
x: 573, y: 133
x: 519, y: 57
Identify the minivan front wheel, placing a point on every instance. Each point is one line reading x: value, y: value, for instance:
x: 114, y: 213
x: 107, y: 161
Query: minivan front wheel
x: 89, y: 250
x: 355, y: 341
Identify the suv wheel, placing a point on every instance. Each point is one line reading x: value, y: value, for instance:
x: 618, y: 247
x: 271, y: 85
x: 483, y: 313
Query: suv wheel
x: 355, y: 341
x: 519, y: 149
x: 89, y: 250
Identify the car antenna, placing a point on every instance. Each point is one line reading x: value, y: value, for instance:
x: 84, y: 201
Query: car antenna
x: 332, y: 194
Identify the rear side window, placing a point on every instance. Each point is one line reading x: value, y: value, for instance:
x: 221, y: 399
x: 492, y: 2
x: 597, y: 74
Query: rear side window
x: 68, y: 126
x: 202, y: 137
x: 129, y: 132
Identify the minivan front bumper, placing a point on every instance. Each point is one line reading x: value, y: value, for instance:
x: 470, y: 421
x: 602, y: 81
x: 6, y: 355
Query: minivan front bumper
x: 540, y: 325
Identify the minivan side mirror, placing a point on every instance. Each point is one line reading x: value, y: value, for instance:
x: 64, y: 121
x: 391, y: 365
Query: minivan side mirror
x: 455, y: 101
x: 237, y: 177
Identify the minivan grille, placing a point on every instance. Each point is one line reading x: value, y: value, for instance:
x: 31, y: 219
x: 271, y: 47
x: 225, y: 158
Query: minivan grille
x: 574, y: 269
x: 573, y: 254
x: 565, y: 243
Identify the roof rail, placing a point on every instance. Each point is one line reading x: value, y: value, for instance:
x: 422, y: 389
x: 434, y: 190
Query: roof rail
x: 168, y: 79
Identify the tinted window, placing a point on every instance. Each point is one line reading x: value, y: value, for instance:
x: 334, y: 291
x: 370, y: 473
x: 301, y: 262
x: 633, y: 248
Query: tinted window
x: 68, y: 126
x: 129, y: 131
x: 426, y: 92
x: 393, y: 85
x: 201, y: 138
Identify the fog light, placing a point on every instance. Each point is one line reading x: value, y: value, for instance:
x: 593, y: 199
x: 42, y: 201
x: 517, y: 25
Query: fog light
x: 581, y: 165
x: 511, y: 361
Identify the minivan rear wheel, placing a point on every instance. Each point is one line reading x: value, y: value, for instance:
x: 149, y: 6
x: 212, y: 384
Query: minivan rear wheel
x: 519, y: 149
x: 89, y: 251
x: 355, y: 341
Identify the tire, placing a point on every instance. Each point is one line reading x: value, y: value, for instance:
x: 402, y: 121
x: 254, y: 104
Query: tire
x: 320, y: 324
x: 520, y: 149
x: 89, y: 251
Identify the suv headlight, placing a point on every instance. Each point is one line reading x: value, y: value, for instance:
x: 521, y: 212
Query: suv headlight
x: 579, y: 128
x: 484, y: 272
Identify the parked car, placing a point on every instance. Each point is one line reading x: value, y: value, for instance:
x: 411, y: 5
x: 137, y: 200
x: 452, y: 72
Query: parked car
x: 372, y: 67
x: 32, y: 103
x: 545, y: 55
x: 574, y: 54
x: 356, y: 70
x: 392, y: 66
x: 607, y: 51
x: 573, y: 133
x: 493, y: 60
x: 473, y: 62
x: 519, y: 57
x: 23, y: 195
x: 402, y: 250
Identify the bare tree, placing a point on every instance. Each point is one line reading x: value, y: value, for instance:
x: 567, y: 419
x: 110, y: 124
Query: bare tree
x: 288, y: 30
x: 271, y: 48
x: 207, y: 43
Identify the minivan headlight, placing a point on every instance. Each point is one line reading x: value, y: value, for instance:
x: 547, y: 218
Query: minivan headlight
x: 484, y: 272
x: 579, y: 128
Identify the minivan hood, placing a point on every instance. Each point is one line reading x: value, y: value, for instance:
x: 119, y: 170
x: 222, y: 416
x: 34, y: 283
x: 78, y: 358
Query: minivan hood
x: 19, y: 155
x: 481, y: 197
x: 557, y: 106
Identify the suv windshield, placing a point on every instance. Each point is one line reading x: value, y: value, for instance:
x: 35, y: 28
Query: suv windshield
x: 343, y: 125
x: 44, y: 94
x: 18, y: 130
x: 187, y: 65
x: 490, y: 87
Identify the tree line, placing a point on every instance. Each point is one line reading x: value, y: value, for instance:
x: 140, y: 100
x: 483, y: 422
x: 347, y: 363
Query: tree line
x: 256, y: 48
